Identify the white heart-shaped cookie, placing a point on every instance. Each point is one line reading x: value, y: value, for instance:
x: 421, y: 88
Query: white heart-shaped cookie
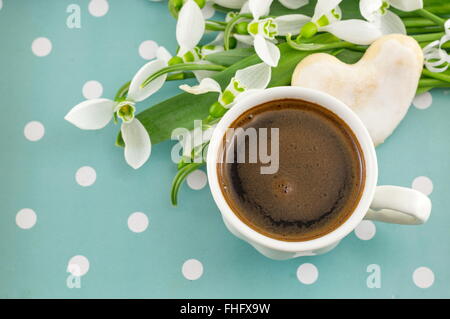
x: 379, y: 88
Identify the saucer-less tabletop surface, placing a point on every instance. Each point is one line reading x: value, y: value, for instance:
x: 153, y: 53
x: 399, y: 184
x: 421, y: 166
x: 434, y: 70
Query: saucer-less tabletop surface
x: 69, y: 201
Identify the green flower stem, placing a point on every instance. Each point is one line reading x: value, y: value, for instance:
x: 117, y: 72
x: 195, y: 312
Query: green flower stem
x: 212, y: 26
x: 422, y: 30
x: 417, y: 22
x: 229, y: 28
x: 180, y: 76
x: 428, y: 37
x: 182, y: 67
x: 438, y: 76
x: 430, y: 16
x: 179, y: 179
x: 317, y: 46
x: 433, y: 83
x: 122, y: 92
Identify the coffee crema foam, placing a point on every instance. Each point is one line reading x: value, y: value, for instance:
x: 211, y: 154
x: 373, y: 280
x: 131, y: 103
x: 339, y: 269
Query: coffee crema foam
x: 320, y: 177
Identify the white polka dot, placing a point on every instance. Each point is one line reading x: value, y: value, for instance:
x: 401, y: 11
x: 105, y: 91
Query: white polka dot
x: 137, y: 222
x: 92, y: 90
x: 192, y: 269
x: 147, y: 49
x: 423, y: 101
x: 85, y: 176
x: 208, y: 10
x: 26, y: 218
x: 34, y: 131
x: 98, y: 8
x: 197, y: 179
x: 41, y: 46
x: 78, y: 265
x: 423, y: 184
x: 365, y: 230
x: 307, y: 273
x: 423, y: 277
x: 1, y: 4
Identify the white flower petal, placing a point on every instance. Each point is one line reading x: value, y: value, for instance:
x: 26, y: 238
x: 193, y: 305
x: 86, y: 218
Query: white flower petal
x: 163, y: 54
x: 247, y: 39
x: 291, y: 23
x: 354, y: 31
x: 205, y: 86
x: 370, y: 8
x: 324, y: 7
x: 232, y: 4
x: 255, y: 77
x: 407, y: 5
x: 137, y: 143
x: 259, y: 8
x: 135, y: 92
x: 190, y: 26
x: 245, y: 8
x: 266, y: 50
x: 294, y: 4
x: 390, y: 23
x: 91, y: 114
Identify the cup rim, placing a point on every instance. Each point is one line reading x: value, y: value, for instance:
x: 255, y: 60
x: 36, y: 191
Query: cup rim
x: 339, y: 109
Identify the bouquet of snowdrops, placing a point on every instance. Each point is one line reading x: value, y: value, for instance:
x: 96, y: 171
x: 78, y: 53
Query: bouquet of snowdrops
x: 257, y: 44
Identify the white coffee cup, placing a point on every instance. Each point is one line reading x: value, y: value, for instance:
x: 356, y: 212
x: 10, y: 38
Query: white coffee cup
x: 390, y: 204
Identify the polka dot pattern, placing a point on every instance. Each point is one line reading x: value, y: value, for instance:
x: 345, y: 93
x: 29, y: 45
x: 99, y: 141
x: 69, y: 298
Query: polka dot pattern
x: 307, y: 273
x: 192, y: 269
x: 26, y: 218
x: 34, y: 131
x: 423, y: 101
x: 147, y: 49
x: 365, y: 230
x: 98, y: 8
x: 82, y: 220
x: 92, y: 90
x: 86, y: 176
x: 423, y: 277
x: 78, y: 265
x: 423, y: 184
x: 41, y: 47
x: 197, y: 179
x: 138, y: 222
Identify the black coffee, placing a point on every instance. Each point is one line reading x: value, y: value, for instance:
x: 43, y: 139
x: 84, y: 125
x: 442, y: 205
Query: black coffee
x: 319, y: 180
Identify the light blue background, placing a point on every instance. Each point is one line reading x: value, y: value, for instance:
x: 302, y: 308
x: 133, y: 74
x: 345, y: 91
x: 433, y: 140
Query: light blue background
x: 92, y: 221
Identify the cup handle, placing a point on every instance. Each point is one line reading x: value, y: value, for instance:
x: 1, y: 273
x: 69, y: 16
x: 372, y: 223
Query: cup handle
x: 399, y: 205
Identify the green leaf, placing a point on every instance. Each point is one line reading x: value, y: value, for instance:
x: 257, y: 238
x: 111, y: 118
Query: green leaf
x: 230, y: 57
x: 178, y: 180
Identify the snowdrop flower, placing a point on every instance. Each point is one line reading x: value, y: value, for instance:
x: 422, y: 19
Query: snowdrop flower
x: 262, y: 32
x: 327, y: 17
x: 190, y: 29
x: 245, y: 81
x: 437, y: 59
x: 376, y: 11
x: 95, y: 114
